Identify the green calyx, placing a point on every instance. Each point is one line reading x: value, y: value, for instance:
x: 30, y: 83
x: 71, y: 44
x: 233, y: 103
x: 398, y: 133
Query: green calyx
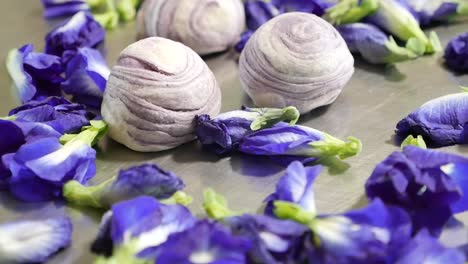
x: 216, y: 206
x: 127, y: 9
x: 294, y: 212
x: 270, y: 116
x: 90, y: 134
x: 414, y: 141
x: 434, y: 45
x: 464, y: 89
x: 75, y: 193
x: 414, y: 48
x: 350, y: 11
x: 109, y: 12
x: 462, y: 8
x: 125, y: 253
x: 9, y: 118
x: 178, y: 197
x: 331, y: 146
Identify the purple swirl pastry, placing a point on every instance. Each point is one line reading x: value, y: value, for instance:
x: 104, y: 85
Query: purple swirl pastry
x: 295, y: 59
x: 154, y: 93
x: 206, y: 26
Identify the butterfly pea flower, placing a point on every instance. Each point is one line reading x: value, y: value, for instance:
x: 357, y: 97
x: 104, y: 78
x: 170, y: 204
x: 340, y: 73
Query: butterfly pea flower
x: 424, y: 248
x: 429, y: 185
x: 365, y: 235
x: 374, y: 45
x: 133, y: 229
x: 205, y: 242
x: 296, y: 142
x: 57, y: 112
x: 316, y: 7
x: 295, y: 187
x: 274, y: 240
x: 44, y: 165
x: 441, y: 121
x: 35, y: 75
x: 86, y: 76
x: 430, y: 11
x: 79, y: 31
x: 395, y: 18
x: 456, y: 54
x: 60, y: 8
x: 350, y: 11
x: 33, y: 241
x: 243, y: 40
x: 224, y: 133
x: 146, y: 179
x: 258, y: 12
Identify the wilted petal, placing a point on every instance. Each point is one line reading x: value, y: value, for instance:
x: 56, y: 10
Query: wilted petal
x: 440, y: 121
x: 373, y: 44
x: 205, y: 242
x: 456, y: 54
x: 295, y: 186
x: 424, y: 248
x: 35, y: 75
x: 86, y: 76
x: 59, y: 8
x: 80, y: 31
x: 146, y: 179
x: 33, y: 241
x: 274, y: 240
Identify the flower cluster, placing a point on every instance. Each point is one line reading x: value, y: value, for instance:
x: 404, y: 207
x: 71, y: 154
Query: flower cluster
x: 365, y: 24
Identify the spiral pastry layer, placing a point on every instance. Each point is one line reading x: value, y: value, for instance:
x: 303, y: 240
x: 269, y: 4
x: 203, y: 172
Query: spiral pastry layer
x: 295, y: 59
x: 206, y: 26
x: 154, y: 92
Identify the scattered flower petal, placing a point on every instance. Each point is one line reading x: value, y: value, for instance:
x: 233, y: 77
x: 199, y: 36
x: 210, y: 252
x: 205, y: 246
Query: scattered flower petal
x: 274, y: 240
x: 424, y: 248
x: 57, y: 112
x: 60, y: 8
x: 296, y: 187
x: 431, y: 11
x: 258, y: 12
x: 374, y: 45
x: 78, y: 32
x: 205, y: 242
x: 428, y: 184
x: 298, y: 143
x: 35, y: 75
x: 224, y: 133
x: 146, y: 179
x: 86, y: 76
x: 33, y: 241
x: 456, y: 54
x: 440, y: 121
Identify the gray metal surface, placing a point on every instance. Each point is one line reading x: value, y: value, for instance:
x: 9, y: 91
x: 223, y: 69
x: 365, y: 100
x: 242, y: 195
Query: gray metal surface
x: 370, y: 106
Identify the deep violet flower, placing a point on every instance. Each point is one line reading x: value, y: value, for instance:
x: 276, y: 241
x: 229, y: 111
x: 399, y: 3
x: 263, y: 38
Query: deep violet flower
x: 60, y: 8
x: 35, y: 75
x: 429, y: 185
x: 441, y: 121
x: 456, y: 54
x: 145, y: 179
x: 78, y: 32
x: 431, y: 11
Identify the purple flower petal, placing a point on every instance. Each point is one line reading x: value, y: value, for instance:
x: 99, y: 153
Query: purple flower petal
x: 456, y: 54
x: 440, y: 121
x: 243, y: 40
x: 274, y: 240
x: 316, y: 7
x: 86, y: 76
x: 41, y: 168
x: 295, y: 186
x: 56, y: 112
x: 421, y: 182
x: 35, y: 75
x: 205, y: 242
x: 429, y: 11
x: 258, y: 12
x: 80, y: 31
x: 424, y: 248
x: 145, y: 220
x: 33, y: 241
x: 59, y: 8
